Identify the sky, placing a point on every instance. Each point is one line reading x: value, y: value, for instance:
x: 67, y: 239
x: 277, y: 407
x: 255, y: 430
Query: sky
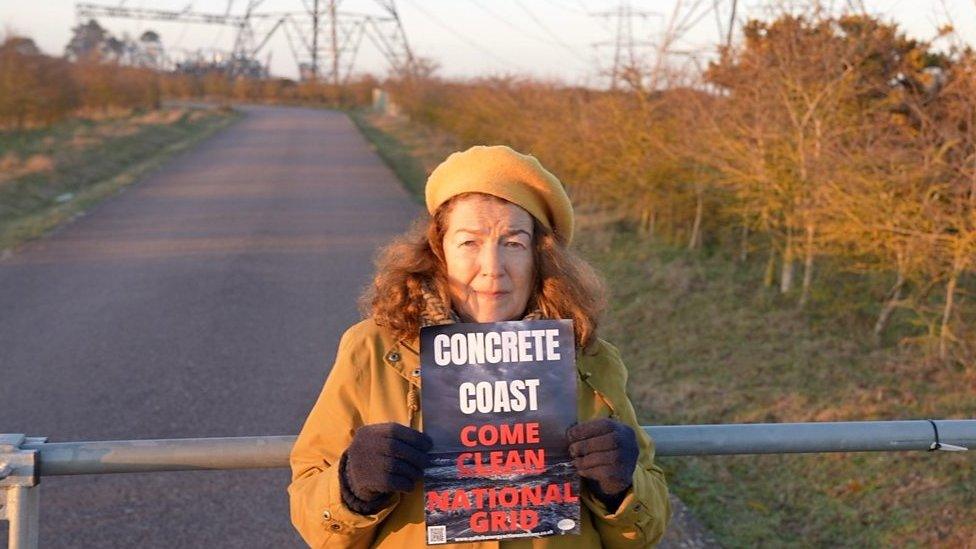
x: 567, y: 40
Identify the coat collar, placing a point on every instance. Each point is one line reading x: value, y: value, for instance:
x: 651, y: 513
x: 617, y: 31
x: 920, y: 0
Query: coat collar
x: 411, y: 344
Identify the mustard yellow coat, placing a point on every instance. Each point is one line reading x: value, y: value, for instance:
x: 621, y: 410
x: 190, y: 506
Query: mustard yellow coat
x: 376, y: 379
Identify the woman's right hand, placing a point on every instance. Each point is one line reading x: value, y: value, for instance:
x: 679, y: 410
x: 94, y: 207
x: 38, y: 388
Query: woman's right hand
x: 383, y: 458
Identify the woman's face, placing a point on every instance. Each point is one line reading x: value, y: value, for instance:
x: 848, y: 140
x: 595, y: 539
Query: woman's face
x: 488, y: 251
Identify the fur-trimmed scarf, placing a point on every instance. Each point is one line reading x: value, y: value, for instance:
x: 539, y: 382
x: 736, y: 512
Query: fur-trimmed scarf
x: 436, y: 312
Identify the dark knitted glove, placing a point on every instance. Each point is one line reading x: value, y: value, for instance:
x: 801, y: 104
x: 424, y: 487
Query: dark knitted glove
x: 381, y: 459
x: 605, y: 454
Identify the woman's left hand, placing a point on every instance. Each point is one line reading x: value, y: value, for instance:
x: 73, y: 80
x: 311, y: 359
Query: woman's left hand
x: 605, y: 453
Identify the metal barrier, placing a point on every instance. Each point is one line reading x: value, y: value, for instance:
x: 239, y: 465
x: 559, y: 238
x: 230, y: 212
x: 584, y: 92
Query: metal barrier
x: 23, y: 460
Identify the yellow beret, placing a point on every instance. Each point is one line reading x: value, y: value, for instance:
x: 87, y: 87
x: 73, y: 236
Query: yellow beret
x: 500, y: 171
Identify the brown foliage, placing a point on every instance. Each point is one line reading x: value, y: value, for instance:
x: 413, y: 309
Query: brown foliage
x: 215, y: 85
x: 817, y: 136
x: 38, y: 90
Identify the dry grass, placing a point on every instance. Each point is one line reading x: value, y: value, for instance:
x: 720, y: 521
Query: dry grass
x: 165, y: 116
x: 12, y: 167
x: 85, y: 160
x: 83, y: 141
x: 9, y: 161
x: 102, y: 114
x: 413, y: 154
x: 706, y: 345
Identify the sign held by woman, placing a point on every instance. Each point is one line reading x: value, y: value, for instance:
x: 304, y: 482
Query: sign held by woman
x: 497, y: 399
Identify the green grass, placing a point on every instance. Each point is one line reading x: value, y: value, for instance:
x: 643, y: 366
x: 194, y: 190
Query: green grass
x: 88, y: 161
x: 397, y: 155
x: 411, y: 154
x: 706, y: 343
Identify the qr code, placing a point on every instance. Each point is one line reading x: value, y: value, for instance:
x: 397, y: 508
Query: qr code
x: 436, y: 534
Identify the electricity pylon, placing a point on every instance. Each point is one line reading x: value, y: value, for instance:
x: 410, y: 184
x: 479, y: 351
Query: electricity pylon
x: 331, y: 59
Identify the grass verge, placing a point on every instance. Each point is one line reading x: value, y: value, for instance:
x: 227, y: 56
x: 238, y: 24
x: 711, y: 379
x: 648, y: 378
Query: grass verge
x: 706, y: 344
x: 55, y: 173
x: 410, y: 154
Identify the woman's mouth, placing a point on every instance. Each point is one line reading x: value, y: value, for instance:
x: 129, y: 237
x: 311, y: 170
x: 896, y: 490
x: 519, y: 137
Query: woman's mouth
x: 494, y: 295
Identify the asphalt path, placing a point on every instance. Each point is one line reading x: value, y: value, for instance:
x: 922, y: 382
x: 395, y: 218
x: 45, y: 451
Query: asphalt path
x: 203, y: 301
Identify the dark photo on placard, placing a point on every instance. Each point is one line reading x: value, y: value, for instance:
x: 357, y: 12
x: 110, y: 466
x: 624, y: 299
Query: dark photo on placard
x: 497, y: 399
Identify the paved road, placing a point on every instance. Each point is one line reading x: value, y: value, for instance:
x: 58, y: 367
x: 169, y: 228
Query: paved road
x: 205, y: 300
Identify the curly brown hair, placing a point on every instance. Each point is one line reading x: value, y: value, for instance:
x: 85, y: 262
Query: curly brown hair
x: 565, y: 285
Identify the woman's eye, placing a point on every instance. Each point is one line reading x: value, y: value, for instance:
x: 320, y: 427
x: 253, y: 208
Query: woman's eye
x: 515, y: 244
x: 468, y: 243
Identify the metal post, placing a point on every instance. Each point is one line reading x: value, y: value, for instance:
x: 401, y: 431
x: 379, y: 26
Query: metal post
x: 826, y: 436
x: 20, y: 504
x: 334, y: 22
x: 22, y: 511
x: 135, y: 456
x: 315, y: 41
x: 24, y: 459
x: 182, y: 454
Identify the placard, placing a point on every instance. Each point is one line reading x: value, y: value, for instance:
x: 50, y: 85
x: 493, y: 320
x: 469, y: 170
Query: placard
x: 497, y: 399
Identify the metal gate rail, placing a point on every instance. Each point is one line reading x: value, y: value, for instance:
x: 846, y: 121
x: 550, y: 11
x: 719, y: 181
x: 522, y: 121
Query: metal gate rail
x: 23, y: 459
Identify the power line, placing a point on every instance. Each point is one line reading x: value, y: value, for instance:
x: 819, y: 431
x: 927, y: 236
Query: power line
x: 243, y: 59
x: 579, y: 11
x: 508, y: 23
x: 718, y: 18
x: 437, y: 21
x: 521, y: 31
x: 728, y: 38
x: 548, y: 31
x: 684, y: 26
x: 583, y: 6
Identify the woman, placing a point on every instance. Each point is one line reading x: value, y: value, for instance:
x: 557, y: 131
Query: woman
x: 495, y: 248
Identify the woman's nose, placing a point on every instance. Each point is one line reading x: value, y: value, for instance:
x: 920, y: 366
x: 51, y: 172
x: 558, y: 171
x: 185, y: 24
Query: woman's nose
x: 491, y: 261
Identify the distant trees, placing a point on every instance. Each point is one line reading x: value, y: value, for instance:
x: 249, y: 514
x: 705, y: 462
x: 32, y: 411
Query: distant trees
x: 38, y: 89
x: 800, y: 92
x: 217, y: 85
x: 818, y: 142
x: 33, y: 86
x: 100, y: 72
x: 89, y: 41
